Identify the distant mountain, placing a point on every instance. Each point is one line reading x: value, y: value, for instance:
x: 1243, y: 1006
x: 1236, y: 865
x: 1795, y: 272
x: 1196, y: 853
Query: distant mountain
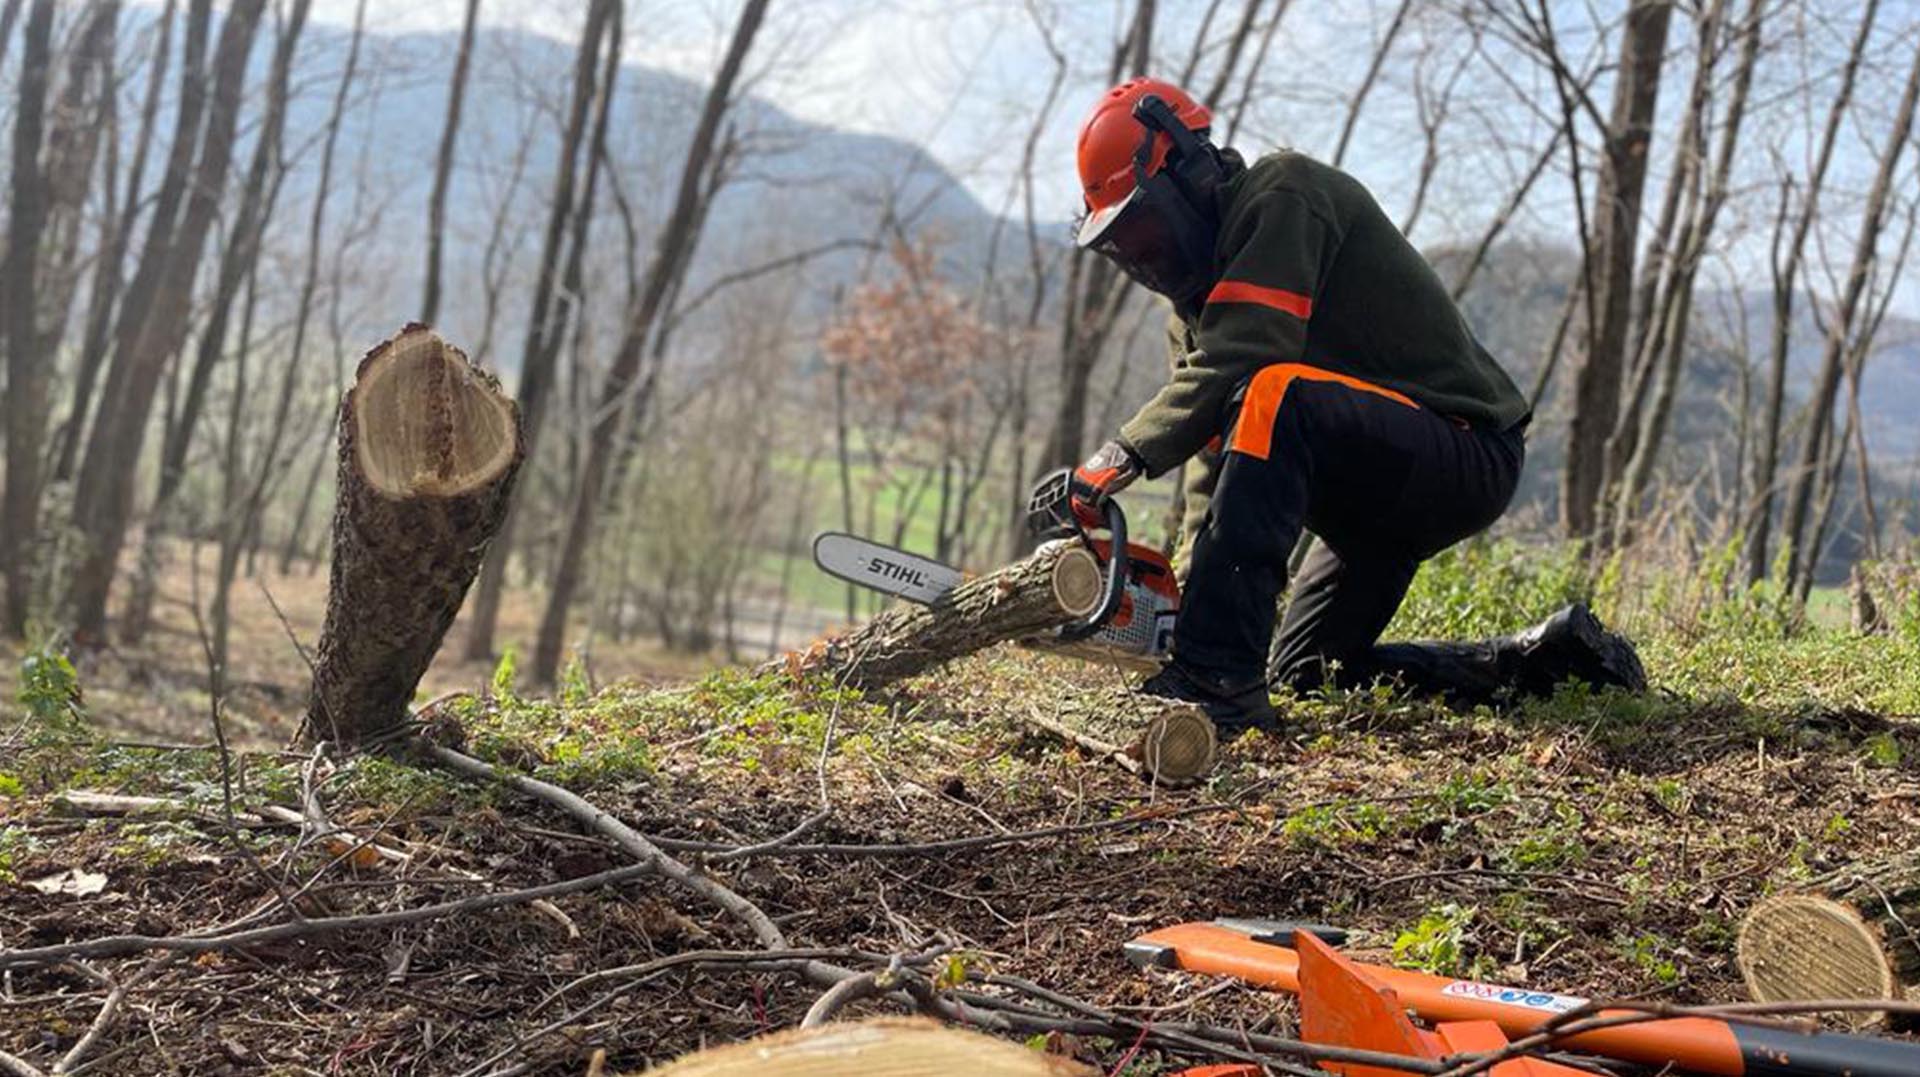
x: 797, y: 185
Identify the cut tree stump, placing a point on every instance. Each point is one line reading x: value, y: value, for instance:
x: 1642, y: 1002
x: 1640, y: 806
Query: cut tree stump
x: 1854, y: 934
x: 428, y: 449
x: 880, y: 1047
x: 1171, y: 744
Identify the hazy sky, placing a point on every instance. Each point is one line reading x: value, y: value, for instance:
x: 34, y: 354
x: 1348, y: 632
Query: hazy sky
x: 964, y: 78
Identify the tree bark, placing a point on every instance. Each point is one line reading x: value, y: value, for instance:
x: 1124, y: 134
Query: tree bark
x: 1670, y: 319
x: 428, y: 450
x: 1169, y: 743
x: 1623, y: 176
x: 1847, y: 935
x: 1785, y: 281
x: 310, y: 281
x: 1057, y: 585
x: 109, y: 273
x: 673, y: 251
x: 546, y: 325
x: 1095, y: 292
x: 1365, y: 88
x: 1802, y: 550
x: 237, y: 257
x: 28, y: 376
x: 152, y: 330
x: 443, y: 165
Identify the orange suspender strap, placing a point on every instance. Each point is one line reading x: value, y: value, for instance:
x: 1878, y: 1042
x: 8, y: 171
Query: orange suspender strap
x: 1240, y: 291
x: 1253, y: 432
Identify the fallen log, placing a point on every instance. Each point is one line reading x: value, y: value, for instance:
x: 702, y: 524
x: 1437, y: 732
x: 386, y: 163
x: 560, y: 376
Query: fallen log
x: 1171, y: 744
x: 428, y: 449
x: 1059, y: 584
x: 881, y: 1047
x: 1852, y: 934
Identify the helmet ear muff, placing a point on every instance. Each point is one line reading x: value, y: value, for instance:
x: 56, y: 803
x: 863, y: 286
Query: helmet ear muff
x: 1191, y: 160
x: 1181, y: 192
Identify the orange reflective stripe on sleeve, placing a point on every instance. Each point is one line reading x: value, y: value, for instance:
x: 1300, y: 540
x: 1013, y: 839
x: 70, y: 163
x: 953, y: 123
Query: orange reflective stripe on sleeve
x: 1240, y: 291
x: 1253, y: 432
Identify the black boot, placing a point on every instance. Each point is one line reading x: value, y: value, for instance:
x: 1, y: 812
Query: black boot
x: 1573, y: 645
x: 1233, y: 709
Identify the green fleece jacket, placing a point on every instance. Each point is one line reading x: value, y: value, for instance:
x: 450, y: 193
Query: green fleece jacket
x: 1309, y: 269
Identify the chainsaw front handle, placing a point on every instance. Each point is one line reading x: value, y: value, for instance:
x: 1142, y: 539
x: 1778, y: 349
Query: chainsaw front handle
x: 1050, y: 514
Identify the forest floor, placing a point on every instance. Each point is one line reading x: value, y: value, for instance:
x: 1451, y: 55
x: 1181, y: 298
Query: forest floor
x: 157, y: 689
x: 1598, y: 845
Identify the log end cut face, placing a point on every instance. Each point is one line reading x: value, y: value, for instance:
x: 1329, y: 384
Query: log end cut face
x: 1797, y: 947
x: 879, y: 1047
x: 427, y: 423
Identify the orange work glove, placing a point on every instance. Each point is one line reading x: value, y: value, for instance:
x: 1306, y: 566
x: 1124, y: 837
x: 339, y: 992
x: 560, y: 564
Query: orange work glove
x: 1104, y: 474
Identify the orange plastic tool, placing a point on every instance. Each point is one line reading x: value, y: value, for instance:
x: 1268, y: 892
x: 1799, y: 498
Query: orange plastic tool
x: 1367, y: 1008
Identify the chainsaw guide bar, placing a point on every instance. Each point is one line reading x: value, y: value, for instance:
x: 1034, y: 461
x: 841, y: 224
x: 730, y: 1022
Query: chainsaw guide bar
x: 883, y: 568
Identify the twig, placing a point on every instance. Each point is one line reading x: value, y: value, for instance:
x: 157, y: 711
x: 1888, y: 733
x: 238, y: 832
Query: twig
x: 1085, y: 741
x: 216, y: 699
x: 109, y: 1011
x: 805, y: 827
x: 19, y: 1067
x: 934, y: 849
x: 847, y: 992
x: 774, y: 959
x: 120, y: 945
x: 869, y: 985
x: 632, y: 841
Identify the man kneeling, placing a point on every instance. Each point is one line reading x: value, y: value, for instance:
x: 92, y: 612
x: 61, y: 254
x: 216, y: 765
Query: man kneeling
x: 1325, y: 380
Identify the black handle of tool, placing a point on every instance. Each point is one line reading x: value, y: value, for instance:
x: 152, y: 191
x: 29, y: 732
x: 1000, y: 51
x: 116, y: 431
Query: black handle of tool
x: 1116, y: 586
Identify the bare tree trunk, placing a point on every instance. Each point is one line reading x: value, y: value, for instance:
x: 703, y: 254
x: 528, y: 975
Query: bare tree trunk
x: 237, y: 257
x: 1845, y: 934
x: 1670, y: 325
x: 1785, y: 281
x: 1802, y: 556
x: 416, y: 506
x: 153, y: 330
x: 1515, y: 199
x: 443, y: 165
x: 1235, y: 45
x: 9, y: 14
x: 545, y: 326
x: 310, y: 280
x: 1365, y: 88
x: 77, y: 125
x: 28, y: 376
x: 109, y: 265
x: 1644, y: 351
x: 673, y: 251
x: 1096, y: 292
x: 1253, y: 71
x: 1623, y: 174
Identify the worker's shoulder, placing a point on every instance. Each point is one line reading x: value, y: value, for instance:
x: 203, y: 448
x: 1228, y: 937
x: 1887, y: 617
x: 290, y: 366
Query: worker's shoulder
x: 1325, y: 189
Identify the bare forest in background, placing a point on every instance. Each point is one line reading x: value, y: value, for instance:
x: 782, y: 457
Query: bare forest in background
x: 1685, y: 228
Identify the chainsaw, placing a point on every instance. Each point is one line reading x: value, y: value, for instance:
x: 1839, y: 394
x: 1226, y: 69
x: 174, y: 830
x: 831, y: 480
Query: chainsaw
x: 1140, y: 598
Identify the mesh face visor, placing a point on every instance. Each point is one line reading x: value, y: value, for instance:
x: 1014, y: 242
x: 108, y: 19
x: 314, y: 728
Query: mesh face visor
x: 1141, y: 241
x: 1155, y: 235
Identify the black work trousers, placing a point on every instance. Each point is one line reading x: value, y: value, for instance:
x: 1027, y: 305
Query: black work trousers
x: 1384, y: 484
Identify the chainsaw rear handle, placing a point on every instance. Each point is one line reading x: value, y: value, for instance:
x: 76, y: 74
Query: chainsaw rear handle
x: 1050, y: 515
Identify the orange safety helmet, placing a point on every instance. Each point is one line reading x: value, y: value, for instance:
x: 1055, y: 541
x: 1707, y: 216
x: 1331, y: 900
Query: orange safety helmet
x: 1149, y: 178
x: 1111, y: 137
